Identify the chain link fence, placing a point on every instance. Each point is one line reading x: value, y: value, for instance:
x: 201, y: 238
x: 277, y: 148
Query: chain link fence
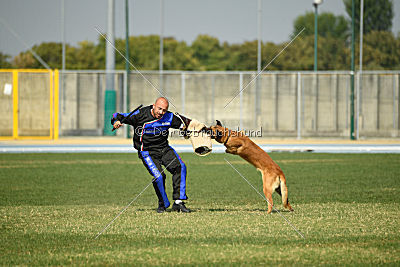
x: 276, y: 104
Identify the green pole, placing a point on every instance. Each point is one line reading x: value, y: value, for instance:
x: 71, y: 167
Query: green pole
x: 110, y: 93
x: 109, y: 109
x: 352, y: 136
x: 127, y: 56
x: 316, y: 38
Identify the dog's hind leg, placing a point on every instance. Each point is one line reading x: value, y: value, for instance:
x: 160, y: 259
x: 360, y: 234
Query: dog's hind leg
x: 270, y: 183
x: 268, y: 195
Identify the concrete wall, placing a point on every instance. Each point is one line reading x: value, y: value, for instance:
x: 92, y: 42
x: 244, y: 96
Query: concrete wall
x: 33, y: 104
x: 324, y: 99
x: 6, y: 106
x: 82, y: 102
x: 292, y: 104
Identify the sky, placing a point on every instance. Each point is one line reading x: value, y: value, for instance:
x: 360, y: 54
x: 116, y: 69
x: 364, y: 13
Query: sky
x: 234, y: 21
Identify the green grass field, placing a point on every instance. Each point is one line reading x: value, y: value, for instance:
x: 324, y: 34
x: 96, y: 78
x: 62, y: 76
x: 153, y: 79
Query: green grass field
x: 53, y: 205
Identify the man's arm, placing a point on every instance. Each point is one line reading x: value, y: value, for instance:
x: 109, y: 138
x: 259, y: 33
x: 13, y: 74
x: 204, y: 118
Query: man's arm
x: 179, y: 119
x: 118, y: 117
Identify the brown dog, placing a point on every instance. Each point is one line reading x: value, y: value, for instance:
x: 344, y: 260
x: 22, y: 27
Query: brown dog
x: 238, y: 143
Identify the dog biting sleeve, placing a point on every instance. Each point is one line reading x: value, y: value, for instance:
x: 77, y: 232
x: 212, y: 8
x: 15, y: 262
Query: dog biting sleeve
x: 201, y: 141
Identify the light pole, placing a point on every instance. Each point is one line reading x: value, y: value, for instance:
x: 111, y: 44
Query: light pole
x: 127, y: 70
x: 161, y: 52
x: 257, y: 121
x: 316, y: 4
x: 352, y: 135
x: 110, y: 93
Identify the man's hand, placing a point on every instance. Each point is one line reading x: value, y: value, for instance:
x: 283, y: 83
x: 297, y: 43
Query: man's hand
x: 117, y: 124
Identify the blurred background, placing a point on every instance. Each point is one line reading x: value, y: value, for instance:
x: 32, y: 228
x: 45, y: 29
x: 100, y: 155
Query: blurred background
x: 290, y: 68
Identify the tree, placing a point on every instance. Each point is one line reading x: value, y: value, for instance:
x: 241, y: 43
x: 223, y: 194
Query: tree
x: 208, y: 51
x: 25, y: 60
x: 378, y: 15
x: 144, y: 51
x: 85, y: 56
x: 381, y: 51
x: 144, y: 54
x: 178, y: 56
x: 49, y: 52
x: 328, y: 25
x: 4, y: 61
x: 244, y: 56
x: 299, y: 56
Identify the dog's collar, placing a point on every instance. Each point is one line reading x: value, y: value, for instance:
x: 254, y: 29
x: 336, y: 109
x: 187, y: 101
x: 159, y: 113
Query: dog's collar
x: 229, y: 135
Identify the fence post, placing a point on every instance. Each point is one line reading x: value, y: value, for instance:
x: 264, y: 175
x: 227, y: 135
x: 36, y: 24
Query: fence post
x: 183, y: 93
x: 56, y: 104
x: 337, y: 103
x: 298, y: 105
x: 212, y: 98
x: 241, y: 101
x: 15, y: 104
x: 62, y: 97
x: 378, y: 102
x: 358, y: 103
x: 398, y: 101
x: 78, y: 101
x: 316, y: 101
x: 275, y: 84
x: 125, y: 99
x: 51, y: 103
x: 394, y: 101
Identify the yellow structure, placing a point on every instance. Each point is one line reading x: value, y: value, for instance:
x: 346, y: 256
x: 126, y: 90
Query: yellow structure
x: 34, y: 97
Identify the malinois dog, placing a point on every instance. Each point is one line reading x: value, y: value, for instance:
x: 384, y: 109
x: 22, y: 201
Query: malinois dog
x: 238, y: 143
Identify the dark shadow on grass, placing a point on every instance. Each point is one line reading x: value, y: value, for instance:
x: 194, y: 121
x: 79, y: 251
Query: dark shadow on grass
x: 168, y: 210
x: 261, y: 210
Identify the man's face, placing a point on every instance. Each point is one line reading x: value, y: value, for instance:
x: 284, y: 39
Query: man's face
x: 160, y: 108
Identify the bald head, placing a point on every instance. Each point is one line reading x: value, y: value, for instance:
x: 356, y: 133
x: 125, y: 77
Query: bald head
x: 160, y: 107
x: 162, y: 101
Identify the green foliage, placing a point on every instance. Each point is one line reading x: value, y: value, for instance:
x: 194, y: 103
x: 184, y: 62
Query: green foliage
x: 85, y: 56
x: 244, y: 56
x: 378, y: 15
x: 50, y: 52
x: 144, y: 51
x: 299, y: 56
x: 4, y: 61
x: 329, y: 25
x: 177, y: 55
x: 381, y: 50
x: 208, y: 51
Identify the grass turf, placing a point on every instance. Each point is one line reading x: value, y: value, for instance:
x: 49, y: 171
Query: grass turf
x: 53, y: 205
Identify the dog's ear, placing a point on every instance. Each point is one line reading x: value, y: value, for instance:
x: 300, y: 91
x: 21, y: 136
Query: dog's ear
x: 219, y: 123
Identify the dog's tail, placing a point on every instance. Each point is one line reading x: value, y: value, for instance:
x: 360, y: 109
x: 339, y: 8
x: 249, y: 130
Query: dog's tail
x: 284, y: 190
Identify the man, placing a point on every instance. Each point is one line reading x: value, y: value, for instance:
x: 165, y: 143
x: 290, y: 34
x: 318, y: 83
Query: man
x: 150, y: 138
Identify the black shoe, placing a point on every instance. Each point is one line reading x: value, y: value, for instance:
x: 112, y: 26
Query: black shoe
x: 180, y: 207
x: 161, y: 209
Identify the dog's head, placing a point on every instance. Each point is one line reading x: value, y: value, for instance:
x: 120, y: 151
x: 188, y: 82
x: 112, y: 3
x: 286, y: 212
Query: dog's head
x: 218, y: 132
